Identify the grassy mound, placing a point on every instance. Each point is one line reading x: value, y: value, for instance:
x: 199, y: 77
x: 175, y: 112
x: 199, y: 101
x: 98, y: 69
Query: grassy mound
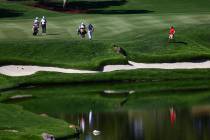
x: 17, y: 123
x: 148, y: 75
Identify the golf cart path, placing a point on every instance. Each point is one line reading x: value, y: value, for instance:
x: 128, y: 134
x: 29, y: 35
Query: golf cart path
x: 22, y: 70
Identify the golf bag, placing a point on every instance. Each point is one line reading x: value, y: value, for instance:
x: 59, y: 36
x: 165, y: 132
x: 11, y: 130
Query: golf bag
x: 35, y: 30
x: 82, y: 32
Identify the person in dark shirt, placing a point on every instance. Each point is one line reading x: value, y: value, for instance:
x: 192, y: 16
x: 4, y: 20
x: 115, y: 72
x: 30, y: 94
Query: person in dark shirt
x: 90, y: 31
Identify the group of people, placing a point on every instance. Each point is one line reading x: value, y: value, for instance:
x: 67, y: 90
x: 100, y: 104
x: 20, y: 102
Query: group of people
x: 82, y: 30
x: 36, y: 24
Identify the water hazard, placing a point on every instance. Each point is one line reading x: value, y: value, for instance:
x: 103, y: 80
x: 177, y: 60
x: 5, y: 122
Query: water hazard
x: 146, y: 124
x: 148, y: 112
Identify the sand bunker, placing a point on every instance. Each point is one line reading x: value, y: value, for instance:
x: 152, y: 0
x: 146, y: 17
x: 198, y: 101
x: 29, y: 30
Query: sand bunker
x: 177, y: 65
x: 20, y: 70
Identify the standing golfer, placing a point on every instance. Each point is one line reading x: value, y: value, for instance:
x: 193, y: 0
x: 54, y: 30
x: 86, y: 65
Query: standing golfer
x: 171, y: 33
x: 44, y: 25
x: 90, y: 31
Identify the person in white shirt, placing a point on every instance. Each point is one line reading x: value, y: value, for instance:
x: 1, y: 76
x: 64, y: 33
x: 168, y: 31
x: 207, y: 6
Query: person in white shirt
x: 82, y: 26
x: 44, y: 24
x: 36, y: 21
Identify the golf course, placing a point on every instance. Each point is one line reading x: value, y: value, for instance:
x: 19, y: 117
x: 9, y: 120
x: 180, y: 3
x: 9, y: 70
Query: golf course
x: 129, y: 82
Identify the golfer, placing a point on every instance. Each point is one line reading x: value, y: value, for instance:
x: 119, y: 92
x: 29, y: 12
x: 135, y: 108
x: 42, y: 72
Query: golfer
x: 44, y: 25
x: 90, y: 31
x: 36, y: 21
x: 171, y: 33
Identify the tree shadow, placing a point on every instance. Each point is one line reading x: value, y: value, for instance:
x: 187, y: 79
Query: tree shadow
x: 119, y: 11
x: 89, y: 7
x: 83, y: 5
x: 9, y: 13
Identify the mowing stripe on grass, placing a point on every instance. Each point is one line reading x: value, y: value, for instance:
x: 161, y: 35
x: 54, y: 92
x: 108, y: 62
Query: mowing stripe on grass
x: 187, y: 19
x: 53, y: 25
x: 2, y: 35
x: 25, y: 28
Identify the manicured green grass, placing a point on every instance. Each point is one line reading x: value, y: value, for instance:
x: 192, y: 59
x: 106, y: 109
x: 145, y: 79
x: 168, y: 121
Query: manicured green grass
x: 28, y: 125
x: 143, y: 36
x: 84, y: 55
x: 148, y: 75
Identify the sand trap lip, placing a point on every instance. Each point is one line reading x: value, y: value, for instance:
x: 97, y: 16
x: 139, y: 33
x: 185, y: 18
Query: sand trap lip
x: 21, y: 70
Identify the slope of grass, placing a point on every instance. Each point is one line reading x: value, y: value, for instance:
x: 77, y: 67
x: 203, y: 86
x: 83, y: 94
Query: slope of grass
x: 50, y: 78
x: 86, y: 55
x: 28, y: 125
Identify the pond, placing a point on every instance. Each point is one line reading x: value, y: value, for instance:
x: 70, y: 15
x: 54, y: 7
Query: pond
x: 164, y: 124
x: 156, y: 112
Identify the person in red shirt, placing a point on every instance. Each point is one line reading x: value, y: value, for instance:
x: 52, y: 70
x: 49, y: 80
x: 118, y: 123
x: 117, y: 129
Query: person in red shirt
x: 171, y: 33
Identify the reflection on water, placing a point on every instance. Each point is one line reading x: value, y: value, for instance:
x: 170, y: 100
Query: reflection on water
x: 153, y: 124
x: 145, y: 115
x: 172, y: 116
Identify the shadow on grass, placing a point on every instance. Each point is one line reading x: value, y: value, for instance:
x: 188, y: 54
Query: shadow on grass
x: 9, y: 13
x: 119, y: 11
x: 89, y: 7
x: 53, y: 34
x: 179, y: 42
x: 84, y: 5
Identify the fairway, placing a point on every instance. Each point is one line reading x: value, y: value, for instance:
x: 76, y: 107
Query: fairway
x: 143, y: 35
x: 133, y: 27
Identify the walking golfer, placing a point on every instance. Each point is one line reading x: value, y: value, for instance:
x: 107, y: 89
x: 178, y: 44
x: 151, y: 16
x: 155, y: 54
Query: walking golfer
x: 44, y: 25
x: 90, y: 31
x: 171, y: 33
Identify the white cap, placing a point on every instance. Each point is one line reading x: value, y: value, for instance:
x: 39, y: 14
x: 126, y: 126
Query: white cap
x: 37, y: 18
x: 43, y: 17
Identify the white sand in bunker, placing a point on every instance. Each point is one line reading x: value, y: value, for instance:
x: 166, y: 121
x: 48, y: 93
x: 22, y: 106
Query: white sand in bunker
x: 20, y: 70
x: 177, y: 65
